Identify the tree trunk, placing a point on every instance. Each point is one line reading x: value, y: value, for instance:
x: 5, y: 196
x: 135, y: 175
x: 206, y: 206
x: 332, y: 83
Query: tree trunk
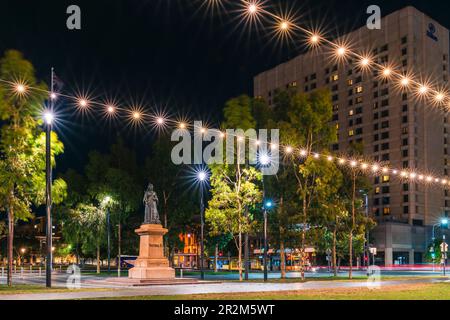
x: 334, y: 253
x: 10, y: 244
x: 303, y: 244
x: 98, y: 258
x: 119, y: 249
x: 350, y: 249
x: 240, y: 255
x: 216, y: 253
x: 282, y: 260
x: 246, y: 255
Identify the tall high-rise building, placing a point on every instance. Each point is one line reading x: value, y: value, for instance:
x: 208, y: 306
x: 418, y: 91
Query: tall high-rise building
x: 395, y: 126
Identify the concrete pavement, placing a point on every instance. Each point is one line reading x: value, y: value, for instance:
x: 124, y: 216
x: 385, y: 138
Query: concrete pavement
x: 206, y: 288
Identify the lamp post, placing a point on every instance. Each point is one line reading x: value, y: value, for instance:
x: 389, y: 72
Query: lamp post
x: 442, y: 222
x: 202, y: 177
x: 265, y: 161
x: 267, y: 206
x: 48, y: 119
x: 105, y: 204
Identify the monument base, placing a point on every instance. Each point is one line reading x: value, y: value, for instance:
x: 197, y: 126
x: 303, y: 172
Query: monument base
x: 151, y: 263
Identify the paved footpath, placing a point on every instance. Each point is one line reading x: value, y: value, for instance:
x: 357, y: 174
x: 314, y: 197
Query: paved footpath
x: 205, y: 288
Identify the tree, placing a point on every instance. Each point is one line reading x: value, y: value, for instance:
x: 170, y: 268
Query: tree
x: 357, y: 181
x: 304, y: 120
x: 113, y: 175
x: 234, y: 186
x: 22, y: 146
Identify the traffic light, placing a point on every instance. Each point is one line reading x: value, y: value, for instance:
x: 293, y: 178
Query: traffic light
x: 433, y: 256
x: 444, y: 223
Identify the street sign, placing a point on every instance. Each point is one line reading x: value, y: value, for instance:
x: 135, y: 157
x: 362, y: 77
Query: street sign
x: 444, y: 247
x: 373, y: 251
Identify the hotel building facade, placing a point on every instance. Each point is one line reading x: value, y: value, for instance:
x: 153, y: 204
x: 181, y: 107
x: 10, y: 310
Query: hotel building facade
x: 394, y: 126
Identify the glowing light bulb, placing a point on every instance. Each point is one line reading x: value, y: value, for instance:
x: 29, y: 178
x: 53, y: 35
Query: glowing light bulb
x: 341, y: 161
x: 53, y: 96
x: 49, y: 117
x: 160, y: 121
x: 385, y: 170
x: 341, y: 51
x: 110, y: 109
x: 330, y: 158
x: 375, y: 167
x: 273, y: 146
x: 303, y: 153
x: 284, y: 25
x: 136, y: 115
x: 314, y: 39
x: 203, y: 130
x: 316, y: 156
x: 264, y: 159
x: 252, y: 8
x: 423, y: 89
x: 413, y: 175
x: 405, y: 81
x: 83, y: 103
x: 353, y: 163
x: 288, y: 149
x: 20, y: 88
x: 364, y: 166
x: 182, y: 125
x: 222, y: 135
x: 387, y: 72
x: 365, y: 62
x: 439, y: 97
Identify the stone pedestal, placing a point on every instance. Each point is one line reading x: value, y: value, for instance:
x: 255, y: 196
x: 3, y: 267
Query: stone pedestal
x: 151, y: 263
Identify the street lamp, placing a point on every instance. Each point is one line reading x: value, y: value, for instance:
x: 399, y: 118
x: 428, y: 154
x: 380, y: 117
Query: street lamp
x: 49, y: 118
x: 202, y: 176
x: 105, y: 203
x: 443, y: 222
x: 268, y: 204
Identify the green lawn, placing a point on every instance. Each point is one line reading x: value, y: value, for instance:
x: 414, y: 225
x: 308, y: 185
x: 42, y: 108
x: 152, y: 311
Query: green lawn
x: 28, y: 288
x: 440, y: 291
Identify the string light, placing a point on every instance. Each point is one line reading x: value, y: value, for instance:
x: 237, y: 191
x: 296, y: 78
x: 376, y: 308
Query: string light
x: 314, y: 39
x: 423, y: 89
x: 404, y: 82
x: 83, y: 103
x: 252, y: 8
x: 387, y: 72
x: 341, y: 51
x: 365, y: 62
x: 110, y: 109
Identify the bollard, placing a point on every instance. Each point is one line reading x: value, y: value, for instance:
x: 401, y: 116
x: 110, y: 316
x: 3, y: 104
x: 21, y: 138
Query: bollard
x: 31, y: 270
x: 15, y: 269
x: 21, y: 272
x: 3, y: 272
x: 60, y: 268
x: 40, y: 271
x: 181, y: 273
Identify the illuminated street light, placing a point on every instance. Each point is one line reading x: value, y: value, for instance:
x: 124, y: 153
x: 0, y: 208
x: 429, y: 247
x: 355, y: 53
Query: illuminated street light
x: 264, y: 159
x: 49, y: 117
x: 201, y: 177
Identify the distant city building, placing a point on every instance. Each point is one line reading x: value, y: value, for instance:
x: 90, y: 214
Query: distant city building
x: 395, y: 127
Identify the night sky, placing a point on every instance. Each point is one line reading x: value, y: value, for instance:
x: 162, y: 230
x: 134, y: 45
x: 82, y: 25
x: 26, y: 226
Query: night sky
x: 165, y: 53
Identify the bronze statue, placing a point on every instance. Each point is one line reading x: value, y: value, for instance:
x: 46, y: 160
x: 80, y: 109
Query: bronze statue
x: 151, y: 210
